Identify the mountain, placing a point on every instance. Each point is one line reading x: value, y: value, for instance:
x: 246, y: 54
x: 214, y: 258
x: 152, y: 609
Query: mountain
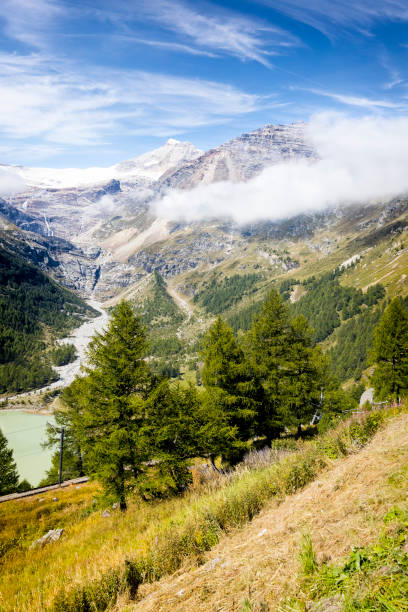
x: 244, y: 157
x: 149, y: 166
x: 104, y: 239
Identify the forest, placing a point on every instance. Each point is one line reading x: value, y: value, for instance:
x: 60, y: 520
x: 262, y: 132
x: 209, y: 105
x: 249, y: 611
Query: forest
x: 135, y: 430
x: 33, y: 308
x: 221, y: 294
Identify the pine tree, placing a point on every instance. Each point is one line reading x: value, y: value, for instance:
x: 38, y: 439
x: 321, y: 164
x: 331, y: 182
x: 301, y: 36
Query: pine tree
x: 230, y: 384
x: 112, y: 403
x: 268, y: 343
x: 390, y: 352
x: 8, y: 472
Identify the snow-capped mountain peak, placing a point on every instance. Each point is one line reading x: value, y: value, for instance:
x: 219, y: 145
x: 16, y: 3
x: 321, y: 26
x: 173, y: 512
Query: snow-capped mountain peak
x: 150, y: 166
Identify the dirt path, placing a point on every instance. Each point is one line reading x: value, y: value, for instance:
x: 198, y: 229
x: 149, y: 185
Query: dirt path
x: 181, y: 302
x: 342, y: 509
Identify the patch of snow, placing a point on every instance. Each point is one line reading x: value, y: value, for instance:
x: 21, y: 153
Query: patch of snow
x: 150, y: 165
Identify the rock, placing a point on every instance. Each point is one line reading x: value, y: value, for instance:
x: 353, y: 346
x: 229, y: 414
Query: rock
x: 106, y: 513
x: 55, y: 499
x: 211, y: 564
x: 115, y: 505
x: 41, y: 499
x: 367, y: 396
x: 51, y: 536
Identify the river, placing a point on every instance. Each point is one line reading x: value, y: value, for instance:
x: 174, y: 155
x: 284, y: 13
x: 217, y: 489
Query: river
x: 26, y: 430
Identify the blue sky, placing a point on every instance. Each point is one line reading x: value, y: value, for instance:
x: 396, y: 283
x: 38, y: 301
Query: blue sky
x: 92, y: 82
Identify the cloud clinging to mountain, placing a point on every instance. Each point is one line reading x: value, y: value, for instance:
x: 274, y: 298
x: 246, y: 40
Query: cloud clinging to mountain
x: 359, y: 160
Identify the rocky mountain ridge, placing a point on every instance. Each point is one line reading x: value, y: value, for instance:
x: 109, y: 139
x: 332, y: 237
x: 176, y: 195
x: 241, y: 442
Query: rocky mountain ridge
x: 242, y: 158
x: 110, y: 239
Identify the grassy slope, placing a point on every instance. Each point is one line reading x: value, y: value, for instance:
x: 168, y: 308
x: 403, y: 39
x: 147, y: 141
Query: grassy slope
x: 160, y: 537
x: 258, y: 568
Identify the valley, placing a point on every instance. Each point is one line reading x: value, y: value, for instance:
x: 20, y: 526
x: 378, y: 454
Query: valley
x: 291, y: 305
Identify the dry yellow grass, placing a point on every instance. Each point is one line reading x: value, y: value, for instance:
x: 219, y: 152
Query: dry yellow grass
x: 343, y: 508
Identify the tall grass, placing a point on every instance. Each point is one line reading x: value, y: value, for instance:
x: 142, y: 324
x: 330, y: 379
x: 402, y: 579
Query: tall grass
x: 102, y: 558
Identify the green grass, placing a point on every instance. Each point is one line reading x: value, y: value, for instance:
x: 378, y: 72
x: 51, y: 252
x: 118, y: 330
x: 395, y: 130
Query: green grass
x: 372, y: 578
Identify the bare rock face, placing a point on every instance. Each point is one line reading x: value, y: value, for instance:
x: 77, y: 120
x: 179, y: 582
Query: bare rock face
x: 243, y: 158
x: 69, y: 265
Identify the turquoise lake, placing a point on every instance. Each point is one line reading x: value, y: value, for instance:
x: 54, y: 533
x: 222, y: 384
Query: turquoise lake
x: 25, y: 432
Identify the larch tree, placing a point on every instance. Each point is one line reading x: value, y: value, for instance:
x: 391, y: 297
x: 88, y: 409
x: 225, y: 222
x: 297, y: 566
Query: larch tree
x: 268, y: 343
x: 390, y: 352
x: 112, y: 403
x: 68, y: 416
x: 230, y: 385
x: 304, y: 375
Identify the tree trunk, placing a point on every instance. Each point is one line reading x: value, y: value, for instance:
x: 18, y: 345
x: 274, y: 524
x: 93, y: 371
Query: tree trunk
x: 299, y: 432
x: 122, y: 503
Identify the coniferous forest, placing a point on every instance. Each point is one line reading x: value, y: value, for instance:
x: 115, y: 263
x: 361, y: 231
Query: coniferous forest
x: 134, y: 429
x: 32, y: 308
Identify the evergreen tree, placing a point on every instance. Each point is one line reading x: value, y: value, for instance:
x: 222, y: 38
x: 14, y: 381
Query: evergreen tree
x: 112, y: 403
x: 8, y: 471
x: 69, y: 417
x: 390, y: 352
x: 177, y: 428
x: 231, y: 385
x: 304, y: 375
x: 268, y: 343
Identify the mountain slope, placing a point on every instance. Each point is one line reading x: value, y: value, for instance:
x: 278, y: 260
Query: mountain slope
x: 244, y: 157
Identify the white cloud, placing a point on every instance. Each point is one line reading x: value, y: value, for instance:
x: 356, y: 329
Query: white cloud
x: 359, y: 160
x: 10, y: 182
x: 167, y: 45
x: 330, y: 17
x: 29, y: 20
x: 67, y: 107
x: 212, y: 30
x: 360, y: 101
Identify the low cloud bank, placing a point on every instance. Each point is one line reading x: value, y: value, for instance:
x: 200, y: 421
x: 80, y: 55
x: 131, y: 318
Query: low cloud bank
x: 359, y: 160
x: 10, y: 183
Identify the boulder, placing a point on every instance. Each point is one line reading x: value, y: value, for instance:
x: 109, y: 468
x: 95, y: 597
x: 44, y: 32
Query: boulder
x: 51, y: 536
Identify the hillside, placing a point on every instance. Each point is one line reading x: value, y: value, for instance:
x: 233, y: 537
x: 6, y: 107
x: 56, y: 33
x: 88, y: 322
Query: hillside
x: 34, y: 311
x: 258, y: 567
x: 237, y: 537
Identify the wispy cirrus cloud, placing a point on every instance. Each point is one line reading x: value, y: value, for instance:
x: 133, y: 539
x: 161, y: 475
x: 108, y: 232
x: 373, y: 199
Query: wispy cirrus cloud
x: 28, y: 20
x: 331, y: 17
x: 209, y: 30
x: 94, y: 106
x: 168, y: 46
x: 360, y: 101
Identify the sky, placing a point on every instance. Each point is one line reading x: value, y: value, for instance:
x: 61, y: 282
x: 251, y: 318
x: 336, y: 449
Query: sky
x: 93, y: 82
